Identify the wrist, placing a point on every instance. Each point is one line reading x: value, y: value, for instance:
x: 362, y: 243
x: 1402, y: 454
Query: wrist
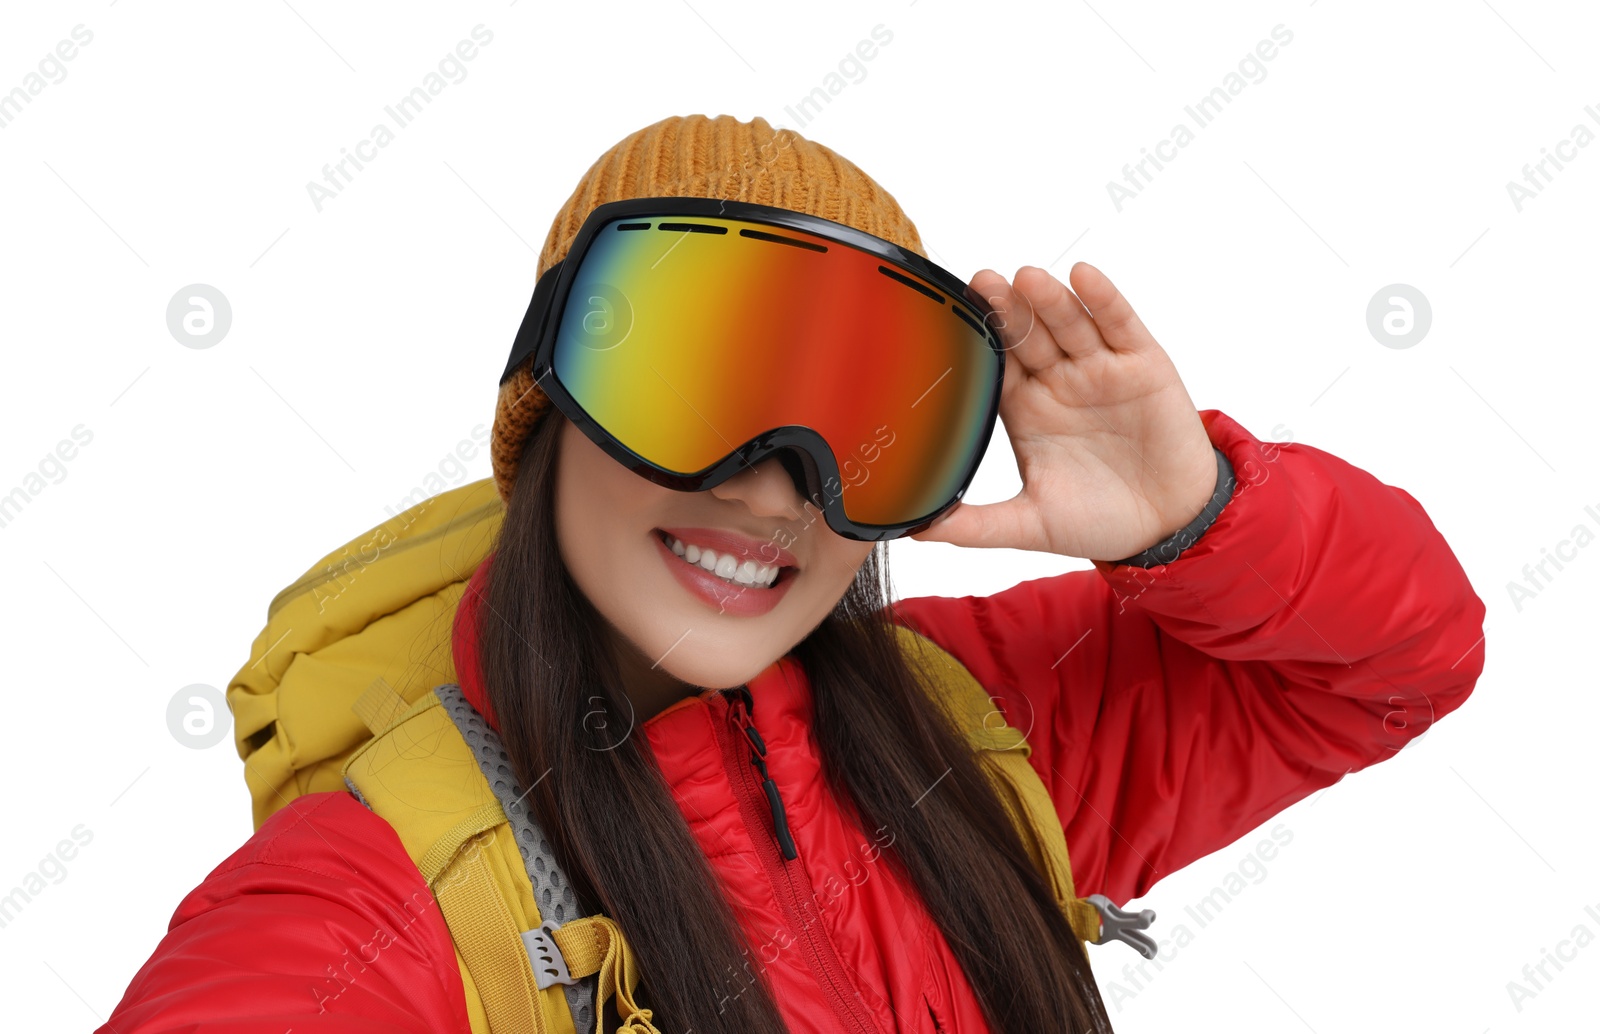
x: 1169, y: 549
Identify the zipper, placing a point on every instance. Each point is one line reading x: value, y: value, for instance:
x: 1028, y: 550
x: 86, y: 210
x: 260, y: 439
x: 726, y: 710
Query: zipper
x: 789, y: 883
x: 758, y: 753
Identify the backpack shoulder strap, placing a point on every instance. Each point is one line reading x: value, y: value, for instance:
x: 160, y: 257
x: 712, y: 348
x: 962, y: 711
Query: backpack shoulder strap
x: 1019, y: 787
x: 438, y: 775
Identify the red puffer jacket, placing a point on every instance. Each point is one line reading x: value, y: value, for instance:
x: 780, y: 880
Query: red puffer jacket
x: 1314, y: 629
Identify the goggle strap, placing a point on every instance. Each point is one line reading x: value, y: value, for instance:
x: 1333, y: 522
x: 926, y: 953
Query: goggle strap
x: 527, y: 341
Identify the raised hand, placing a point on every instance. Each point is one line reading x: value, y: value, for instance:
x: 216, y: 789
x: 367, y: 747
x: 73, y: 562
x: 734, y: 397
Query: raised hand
x: 1112, y: 452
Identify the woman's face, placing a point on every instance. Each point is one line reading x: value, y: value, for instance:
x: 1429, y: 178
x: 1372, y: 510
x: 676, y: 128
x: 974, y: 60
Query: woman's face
x: 676, y: 619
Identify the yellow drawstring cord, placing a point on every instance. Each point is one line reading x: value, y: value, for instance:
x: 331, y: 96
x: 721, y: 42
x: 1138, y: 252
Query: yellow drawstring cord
x: 617, y: 973
x: 635, y: 1028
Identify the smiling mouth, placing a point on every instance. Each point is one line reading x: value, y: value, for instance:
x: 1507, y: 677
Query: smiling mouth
x: 736, y: 572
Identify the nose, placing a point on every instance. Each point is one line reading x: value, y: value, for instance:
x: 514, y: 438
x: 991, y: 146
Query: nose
x: 768, y: 489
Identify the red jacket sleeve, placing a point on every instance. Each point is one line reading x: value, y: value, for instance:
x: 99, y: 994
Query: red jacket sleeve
x: 1317, y: 626
x: 320, y: 922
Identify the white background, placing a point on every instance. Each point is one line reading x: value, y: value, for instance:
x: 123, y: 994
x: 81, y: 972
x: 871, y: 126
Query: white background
x: 367, y: 339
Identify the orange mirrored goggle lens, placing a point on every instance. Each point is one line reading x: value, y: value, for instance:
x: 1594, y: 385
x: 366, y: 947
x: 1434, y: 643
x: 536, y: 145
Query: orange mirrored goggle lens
x: 686, y: 337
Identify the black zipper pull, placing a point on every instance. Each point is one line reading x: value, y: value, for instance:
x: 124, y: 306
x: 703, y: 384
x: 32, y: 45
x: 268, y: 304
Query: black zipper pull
x: 742, y: 705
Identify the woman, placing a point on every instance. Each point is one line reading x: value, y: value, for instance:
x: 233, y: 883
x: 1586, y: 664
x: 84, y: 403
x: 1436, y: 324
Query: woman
x: 678, y: 666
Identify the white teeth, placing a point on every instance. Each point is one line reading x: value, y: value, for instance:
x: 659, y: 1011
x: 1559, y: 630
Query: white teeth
x: 726, y: 566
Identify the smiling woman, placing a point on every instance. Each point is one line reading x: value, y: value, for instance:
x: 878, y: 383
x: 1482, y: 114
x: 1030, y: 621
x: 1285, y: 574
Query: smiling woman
x: 688, y: 624
x: 641, y: 716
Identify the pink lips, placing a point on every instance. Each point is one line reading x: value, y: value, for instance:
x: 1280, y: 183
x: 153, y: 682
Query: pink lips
x: 741, y: 546
x: 723, y: 596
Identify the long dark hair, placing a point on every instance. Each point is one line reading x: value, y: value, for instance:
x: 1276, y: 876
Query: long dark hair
x: 545, y: 657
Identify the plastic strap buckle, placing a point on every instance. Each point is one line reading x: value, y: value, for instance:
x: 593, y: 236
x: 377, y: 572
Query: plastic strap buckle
x: 549, y: 966
x: 1118, y: 924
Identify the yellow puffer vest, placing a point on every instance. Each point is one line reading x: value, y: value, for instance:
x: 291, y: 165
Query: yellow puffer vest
x: 347, y: 688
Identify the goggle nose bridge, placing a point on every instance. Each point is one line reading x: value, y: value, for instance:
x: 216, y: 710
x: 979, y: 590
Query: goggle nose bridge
x: 798, y: 460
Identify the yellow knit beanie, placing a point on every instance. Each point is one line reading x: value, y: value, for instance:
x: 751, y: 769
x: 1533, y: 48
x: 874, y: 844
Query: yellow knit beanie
x: 696, y: 156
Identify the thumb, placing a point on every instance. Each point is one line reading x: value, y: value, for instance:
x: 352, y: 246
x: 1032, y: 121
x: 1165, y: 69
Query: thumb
x: 979, y: 525
x: 935, y: 531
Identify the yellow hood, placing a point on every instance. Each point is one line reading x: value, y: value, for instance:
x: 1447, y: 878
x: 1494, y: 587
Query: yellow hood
x: 353, y: 641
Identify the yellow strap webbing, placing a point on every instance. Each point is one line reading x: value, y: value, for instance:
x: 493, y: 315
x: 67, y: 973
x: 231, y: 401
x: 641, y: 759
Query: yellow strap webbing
x: 421, y: 776
x: 489, y: 943
x: 1003, y: 751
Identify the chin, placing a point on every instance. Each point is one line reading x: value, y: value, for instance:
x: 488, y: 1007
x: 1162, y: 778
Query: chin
x: 721, y: 673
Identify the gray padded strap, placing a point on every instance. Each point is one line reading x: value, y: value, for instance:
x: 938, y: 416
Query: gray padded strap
x: 551, y: 891
x: 348, y: 785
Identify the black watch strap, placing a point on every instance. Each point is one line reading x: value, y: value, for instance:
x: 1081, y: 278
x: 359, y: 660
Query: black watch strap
x: 1168, y: 550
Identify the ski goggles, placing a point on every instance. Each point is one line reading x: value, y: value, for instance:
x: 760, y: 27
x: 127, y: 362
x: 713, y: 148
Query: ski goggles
x: 692, y: 337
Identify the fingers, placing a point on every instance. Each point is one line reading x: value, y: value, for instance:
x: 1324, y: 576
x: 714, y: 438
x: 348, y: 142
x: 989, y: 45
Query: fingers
x: 1021, y: 334
x: 1012, y: 379
x: 1039, y: 319
x: 1061, y: 312
x: 1119, y: 326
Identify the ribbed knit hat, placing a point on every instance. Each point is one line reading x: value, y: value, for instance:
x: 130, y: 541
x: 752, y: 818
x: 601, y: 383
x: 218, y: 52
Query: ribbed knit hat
x: 696, y: 156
